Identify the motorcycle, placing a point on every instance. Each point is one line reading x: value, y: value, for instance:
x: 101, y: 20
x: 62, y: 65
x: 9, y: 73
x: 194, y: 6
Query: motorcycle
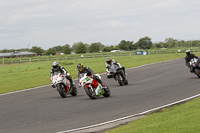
x: 92, y: 87
x: 118, y: 74
x: 195, y: 66
x: 63, y: 85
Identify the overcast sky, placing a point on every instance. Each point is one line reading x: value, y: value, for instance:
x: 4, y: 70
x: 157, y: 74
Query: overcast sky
x: 49, y: 23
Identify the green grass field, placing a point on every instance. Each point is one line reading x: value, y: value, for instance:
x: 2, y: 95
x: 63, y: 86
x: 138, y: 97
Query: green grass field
x: 183, y: 118
x: 14, y: 77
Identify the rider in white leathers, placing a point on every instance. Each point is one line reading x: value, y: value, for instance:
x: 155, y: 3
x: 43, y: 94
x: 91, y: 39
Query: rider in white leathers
x: 109, y: 62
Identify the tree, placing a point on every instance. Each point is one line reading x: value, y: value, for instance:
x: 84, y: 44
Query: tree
x: 126, y: 45
x: 66, y: 49
x: 144, y: 43
x: 95, y: 47
x: 37, y: 50
x: 58, y: 48
x: 170, y: 42
x: 159, y: 45
x: 106, y: 49
x: 80, y: 48
x: 51, y: 51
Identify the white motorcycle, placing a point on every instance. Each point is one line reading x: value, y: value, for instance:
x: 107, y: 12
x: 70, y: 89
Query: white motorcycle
x: 92, y: 87
x: 195, y: 66
x: 63, y: 85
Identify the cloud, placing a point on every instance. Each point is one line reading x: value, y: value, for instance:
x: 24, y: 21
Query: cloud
x: 48, y: 22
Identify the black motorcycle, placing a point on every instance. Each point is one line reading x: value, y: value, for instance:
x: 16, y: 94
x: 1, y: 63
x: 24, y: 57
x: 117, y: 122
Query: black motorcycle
x: 195, y: 66
x: 118, y: 74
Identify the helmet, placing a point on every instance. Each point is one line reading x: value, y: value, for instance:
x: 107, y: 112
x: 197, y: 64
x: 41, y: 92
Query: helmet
x: 109, y: 60
x: 55, y: 65
x: 80, y: 67
x: 187, y: 52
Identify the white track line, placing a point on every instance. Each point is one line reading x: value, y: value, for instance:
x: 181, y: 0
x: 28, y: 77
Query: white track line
x: 23, y: 90
x: 130, y: 116
x: 77, y: 79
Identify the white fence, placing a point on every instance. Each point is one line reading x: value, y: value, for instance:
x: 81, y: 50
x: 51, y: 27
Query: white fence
x: 82, y: 56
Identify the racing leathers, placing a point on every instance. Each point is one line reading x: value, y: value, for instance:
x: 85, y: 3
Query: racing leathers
x: 63, y: 71
x: 108, y: 66
x: 90, y: 72
x: 188, y: 59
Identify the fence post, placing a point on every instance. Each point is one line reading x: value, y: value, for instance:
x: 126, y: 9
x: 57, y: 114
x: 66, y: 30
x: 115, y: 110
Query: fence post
x: 130, y: 53
x: 3, y: 61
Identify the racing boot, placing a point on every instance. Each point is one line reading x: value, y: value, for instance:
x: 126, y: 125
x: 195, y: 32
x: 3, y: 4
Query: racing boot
x: 53, y: 86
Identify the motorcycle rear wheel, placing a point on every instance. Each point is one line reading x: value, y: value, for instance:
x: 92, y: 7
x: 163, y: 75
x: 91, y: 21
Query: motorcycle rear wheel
x: 107, y: 92
x: 126, y: 82
x: 74, y: 91
x: 197, y: 72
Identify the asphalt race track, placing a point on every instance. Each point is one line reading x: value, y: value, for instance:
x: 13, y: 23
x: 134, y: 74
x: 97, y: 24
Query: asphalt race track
x: 42, y: 110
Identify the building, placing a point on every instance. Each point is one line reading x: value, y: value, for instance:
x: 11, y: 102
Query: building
x: 17, y: 54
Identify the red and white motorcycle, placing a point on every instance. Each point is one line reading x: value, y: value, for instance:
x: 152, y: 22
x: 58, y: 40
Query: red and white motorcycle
x: 63, y: 85
x: 92, y: 87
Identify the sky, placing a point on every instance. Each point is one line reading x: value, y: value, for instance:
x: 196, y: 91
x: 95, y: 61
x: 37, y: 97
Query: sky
x: 49, y: 23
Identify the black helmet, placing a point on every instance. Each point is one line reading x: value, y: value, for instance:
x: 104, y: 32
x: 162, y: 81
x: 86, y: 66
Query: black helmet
x: 109, y: 60
x: 80, y: 67
x: 55, y: 65
x: 187, y: 52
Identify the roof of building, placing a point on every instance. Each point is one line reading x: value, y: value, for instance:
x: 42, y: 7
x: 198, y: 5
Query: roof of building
x: 16, y: 54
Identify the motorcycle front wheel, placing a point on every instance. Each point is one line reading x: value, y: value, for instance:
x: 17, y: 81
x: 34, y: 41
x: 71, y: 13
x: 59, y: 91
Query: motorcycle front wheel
x: 119, y: 79
x: 62, y: 91
x: 90, y: 92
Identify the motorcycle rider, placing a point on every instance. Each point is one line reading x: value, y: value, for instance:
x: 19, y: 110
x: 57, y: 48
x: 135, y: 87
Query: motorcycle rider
x: 188, y: 58
x: 109, y: 62
x: 62, y: 70
x: 82, y: 69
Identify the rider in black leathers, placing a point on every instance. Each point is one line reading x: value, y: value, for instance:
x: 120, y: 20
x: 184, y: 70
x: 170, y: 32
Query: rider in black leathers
x: 188, y: 58
x: 62, y: 70
x: 82, y: 69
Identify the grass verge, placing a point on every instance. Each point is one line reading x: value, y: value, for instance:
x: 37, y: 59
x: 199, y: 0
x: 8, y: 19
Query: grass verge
x: 182, y: 118
x: 16, y: 77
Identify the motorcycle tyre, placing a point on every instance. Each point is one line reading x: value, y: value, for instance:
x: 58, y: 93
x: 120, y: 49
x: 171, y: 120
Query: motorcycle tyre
x: 74, y: 91
x: 126, y: 82
x: 119, y: 80
x: 107, y: 92
x: 197, y: 73
x: 62, y: 91
x: 89, y: 93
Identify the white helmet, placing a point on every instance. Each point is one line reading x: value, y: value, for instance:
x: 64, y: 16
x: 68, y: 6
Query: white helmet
x: 187, y: 52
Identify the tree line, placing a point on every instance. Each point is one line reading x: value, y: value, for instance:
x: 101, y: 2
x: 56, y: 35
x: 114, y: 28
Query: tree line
x: 80, y: 47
